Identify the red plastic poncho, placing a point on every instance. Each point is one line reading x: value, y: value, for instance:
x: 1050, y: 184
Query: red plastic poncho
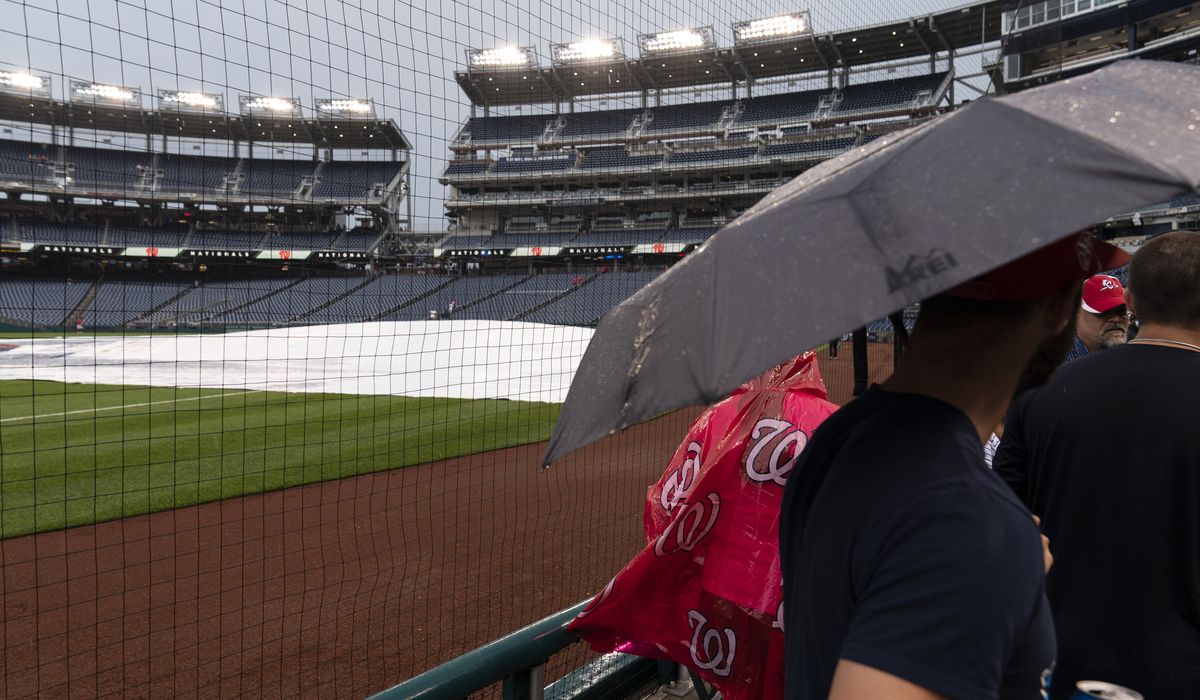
x: 706, y: 591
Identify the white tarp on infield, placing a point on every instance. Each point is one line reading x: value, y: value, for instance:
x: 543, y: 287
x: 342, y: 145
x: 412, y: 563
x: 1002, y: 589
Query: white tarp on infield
x: 451, y: 359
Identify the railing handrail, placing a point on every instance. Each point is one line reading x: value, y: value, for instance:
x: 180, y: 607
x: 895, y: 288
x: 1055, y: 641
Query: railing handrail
x: 527, y: 647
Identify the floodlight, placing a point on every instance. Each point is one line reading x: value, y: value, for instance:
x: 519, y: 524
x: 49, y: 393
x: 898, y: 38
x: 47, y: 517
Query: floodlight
x: 770, y: 28
x: 679, y: 40
x: 346, y: 107
x: 84, y: 91
x: 282, y: 106
x: 24, y: 81
x: 586, y: 50
x: 191, y: 100
x: 503, y: 57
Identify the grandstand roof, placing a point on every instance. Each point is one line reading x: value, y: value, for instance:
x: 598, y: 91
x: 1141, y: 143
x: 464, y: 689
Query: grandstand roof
x: 331, y: 133
x: 957, y: 28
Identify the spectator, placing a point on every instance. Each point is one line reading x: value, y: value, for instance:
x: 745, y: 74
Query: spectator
x: 1109, y: 456
x: 908, y: 569
x: 1103, y: 319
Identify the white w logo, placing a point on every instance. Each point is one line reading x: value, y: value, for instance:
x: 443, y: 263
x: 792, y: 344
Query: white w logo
x: 681, y: 479
x: 717, y: 652
x: 783, y: 438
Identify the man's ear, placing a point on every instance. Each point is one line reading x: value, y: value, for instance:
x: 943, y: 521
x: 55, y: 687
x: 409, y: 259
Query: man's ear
x: 1129, y: 301
x: 1062, y: 306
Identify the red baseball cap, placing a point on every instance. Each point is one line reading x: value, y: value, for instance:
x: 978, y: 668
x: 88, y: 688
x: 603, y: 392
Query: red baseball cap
x: 1102, y: 293
x: 1045, y: 271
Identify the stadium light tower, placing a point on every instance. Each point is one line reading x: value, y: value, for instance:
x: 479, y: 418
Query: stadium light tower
x: 768, y: 29
x: 191, y: 101
x: 271, y: 106
x: 25, y: 82
x: 681, y: 40
x: 502, y: 57
x: 346, y: 108
x: 104, y: 93
x: 587, y: 50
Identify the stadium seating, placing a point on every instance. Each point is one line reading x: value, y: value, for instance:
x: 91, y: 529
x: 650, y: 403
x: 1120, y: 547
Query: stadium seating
x: 359, y: 241
x: 184, y: 173
x: 504, y: 130
x: 886, y: 95
x: 293, y: 301
x: 299, y: 241
x: 618, y: 157
x: 689, y: 234
x: 536, y: 163
x: 467, y: 167
x: 147, y: 236
x: 701, y: 116
x: 106, y: 169
x: 462, y: 291
x: 715, y: 155
x: 810, y: 148
x: 466, y: 242
x: 24, y: 160
x: 274, y: 177
x: 379, y: 295
x: 39, y: 302
x: 777, y: 109
x: 623, y: 237
x: 210, y: 299
x: 117, y: 303
x: 601, y: 123
x: 76, y: 234
x: 225, y: 240
x: 519, y: 299
x: 350, y: 179
x: 586, y: 305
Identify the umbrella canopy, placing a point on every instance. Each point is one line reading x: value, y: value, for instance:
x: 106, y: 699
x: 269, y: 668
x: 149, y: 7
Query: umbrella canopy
x: 886, y: 225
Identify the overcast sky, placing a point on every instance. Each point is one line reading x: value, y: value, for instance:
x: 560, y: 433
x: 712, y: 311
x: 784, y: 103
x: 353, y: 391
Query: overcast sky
x: 402, y: 54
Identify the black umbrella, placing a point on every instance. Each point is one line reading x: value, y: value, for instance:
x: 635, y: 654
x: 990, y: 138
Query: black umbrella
x: 884, y: 226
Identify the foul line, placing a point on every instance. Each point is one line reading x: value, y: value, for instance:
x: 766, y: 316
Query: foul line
x: 124, y: 406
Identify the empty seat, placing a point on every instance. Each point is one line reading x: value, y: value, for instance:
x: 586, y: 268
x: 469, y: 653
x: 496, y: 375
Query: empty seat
x: 274, y: 177
x: 190, y: 173
x: 716, y: 155
x: 700, y: 116
x: 618, y: 157
x: 886, y: 95
x: 506, y: 129
x: 811, y: 148
x: 108, y: 170
x: 792, y: 106
x: 354, y: 180
x: 467, y: 167
x: 25, y: 161
x: 606, y: 122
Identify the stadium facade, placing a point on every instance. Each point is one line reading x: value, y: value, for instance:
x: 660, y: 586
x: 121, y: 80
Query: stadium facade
x: 593, y: 163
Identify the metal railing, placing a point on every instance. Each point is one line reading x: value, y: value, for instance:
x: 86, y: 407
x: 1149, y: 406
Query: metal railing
x: 518, y: 660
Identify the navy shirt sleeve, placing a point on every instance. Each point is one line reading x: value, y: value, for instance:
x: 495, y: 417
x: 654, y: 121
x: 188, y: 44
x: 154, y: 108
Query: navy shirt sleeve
x: 943, y: 596
x: 1011, y: 462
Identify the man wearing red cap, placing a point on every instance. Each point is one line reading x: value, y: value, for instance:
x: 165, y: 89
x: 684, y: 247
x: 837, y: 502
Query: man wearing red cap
x: 1103, y: 321
x: 1108, y: 455
x: 910, y: 570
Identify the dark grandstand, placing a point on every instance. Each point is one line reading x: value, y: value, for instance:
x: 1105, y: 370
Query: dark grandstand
x: 612, y: 171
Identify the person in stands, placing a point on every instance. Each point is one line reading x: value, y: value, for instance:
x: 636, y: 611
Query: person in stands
x: 1103, y: 319
x: 910, y: 571
x: 1108, y: 454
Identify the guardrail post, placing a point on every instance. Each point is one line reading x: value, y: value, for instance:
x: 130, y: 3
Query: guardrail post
x: 526, y: 684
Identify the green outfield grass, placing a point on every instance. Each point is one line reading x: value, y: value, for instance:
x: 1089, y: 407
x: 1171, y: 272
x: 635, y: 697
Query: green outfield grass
x: 73, y: 454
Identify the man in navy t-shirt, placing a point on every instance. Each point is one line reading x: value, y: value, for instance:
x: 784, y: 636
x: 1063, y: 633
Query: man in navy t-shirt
x: 910, y: 570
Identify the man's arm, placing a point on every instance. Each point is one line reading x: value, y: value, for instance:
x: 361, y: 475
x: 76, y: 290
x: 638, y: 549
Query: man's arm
x: 854, y: 681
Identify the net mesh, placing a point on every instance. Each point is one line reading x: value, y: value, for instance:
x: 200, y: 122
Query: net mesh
x: 289, y: 302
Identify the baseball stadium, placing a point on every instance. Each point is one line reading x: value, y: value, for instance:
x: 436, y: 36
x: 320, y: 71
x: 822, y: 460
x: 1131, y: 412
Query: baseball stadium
x: 292, y: 293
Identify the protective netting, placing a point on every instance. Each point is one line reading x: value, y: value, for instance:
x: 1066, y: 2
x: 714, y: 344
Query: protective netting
x: 290, y: 293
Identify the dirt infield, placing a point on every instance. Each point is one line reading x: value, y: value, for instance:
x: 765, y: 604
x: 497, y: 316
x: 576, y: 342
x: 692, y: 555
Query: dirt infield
x: 336, y: 589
